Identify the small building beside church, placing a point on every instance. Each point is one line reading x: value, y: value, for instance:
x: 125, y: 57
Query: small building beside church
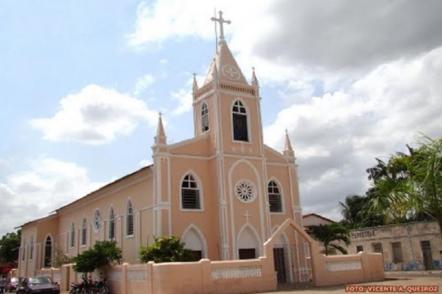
x: 408, y: 246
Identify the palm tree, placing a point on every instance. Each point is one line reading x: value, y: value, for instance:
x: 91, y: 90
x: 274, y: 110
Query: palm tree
x: 409, y: 185
x: 329, y: 234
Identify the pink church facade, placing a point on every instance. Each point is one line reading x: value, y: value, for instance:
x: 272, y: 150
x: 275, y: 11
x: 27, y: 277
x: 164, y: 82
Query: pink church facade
x: 223, y: 192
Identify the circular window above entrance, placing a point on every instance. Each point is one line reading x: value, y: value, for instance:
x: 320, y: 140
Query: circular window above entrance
x: 245, y: 191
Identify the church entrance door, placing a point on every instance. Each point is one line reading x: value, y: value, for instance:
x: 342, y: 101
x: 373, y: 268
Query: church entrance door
x: 279, y: 262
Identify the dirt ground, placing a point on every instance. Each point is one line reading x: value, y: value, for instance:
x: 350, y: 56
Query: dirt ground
x: 407, y: 281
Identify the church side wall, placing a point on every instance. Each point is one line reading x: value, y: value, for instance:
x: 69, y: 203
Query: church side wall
x: 138, y: 190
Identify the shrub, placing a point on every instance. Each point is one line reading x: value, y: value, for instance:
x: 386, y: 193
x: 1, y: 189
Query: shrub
x: 166, y: 249
x: 103, y: 253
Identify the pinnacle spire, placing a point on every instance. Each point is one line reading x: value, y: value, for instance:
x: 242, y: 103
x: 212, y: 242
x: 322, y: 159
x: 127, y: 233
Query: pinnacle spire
x: 288, y: 150
x: 254, y: 79
x: 160, y: 138
x: 195, y: 84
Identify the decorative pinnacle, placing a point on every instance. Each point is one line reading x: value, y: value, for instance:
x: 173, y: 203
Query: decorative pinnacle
x: 254, y: 79
x: 160, y: 138
x: 195, y: 84
x: 288, y: 150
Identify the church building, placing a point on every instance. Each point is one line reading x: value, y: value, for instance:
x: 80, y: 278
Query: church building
x: 222, y: 192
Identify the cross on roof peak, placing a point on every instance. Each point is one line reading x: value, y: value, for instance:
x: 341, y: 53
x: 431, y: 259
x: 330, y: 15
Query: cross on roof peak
x: 221, y: 22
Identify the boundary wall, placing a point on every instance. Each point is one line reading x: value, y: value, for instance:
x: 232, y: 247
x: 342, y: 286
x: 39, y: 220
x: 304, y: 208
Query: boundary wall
x: 230, y: 276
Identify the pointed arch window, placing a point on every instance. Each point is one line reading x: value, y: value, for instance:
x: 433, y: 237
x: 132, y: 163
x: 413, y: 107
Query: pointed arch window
x: 190, y: 193
x: 129, y: 219
x: 31, y: 249
x: 48, y: 252
x: 97, y: 220
x: 83, y: 232
x: 275, y: 200
x: 72, y: 239
x: 111, y: 224
x: 204, y: 118
x: 239, y: 120
x: 23, y: 251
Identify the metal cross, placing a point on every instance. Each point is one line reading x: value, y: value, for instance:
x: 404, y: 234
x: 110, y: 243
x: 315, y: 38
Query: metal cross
x: 247, y: 216
x: 221, y: 21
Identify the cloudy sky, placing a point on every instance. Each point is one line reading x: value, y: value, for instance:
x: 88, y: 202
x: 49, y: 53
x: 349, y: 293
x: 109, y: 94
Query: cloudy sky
x: 82, y: 81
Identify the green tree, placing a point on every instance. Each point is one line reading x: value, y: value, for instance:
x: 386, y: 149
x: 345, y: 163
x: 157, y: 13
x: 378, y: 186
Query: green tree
x: 328, y: 235
x: 356, y: 213
x: 102, y: 254
x: 9, y: 247
x: 60, y: 258
x: 166, y: 249
x: 409, y: 185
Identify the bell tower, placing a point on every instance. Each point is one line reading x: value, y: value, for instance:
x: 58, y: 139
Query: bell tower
x: 227, y: 110
x: 227, y: 106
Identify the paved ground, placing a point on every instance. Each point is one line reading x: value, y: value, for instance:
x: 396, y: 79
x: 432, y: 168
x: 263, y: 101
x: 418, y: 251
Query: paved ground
x: 405, y: 279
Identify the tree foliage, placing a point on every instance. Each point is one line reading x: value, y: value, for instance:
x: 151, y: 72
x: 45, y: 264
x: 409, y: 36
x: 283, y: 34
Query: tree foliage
x: 166, y: 249
x: 9, y: 247
x: 409, y: 185
x: 329, y: 235
x: 60, y: 258
x: 356, y: 214
x: 103, y: 253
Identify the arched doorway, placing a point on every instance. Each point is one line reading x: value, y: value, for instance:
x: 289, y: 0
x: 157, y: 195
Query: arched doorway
x: 282, y: 259
x: 248, y: 243
x: 194, y: 241
x: 48, y: 252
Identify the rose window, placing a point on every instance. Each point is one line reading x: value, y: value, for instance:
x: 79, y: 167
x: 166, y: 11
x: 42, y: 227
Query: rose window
x: 245, y: 191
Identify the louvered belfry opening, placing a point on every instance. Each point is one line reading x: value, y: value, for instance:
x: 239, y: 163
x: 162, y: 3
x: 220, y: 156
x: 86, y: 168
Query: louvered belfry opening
x: 190, y: 194
x: 240, y: 131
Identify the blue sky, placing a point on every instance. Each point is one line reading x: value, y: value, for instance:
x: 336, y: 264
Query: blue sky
x: 82, y: 81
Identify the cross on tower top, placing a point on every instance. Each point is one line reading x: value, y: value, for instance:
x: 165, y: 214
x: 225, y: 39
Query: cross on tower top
x: 221, y: 22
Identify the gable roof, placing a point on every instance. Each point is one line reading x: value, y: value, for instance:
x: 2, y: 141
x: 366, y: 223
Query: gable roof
x: 105, y: 186
x: 318, y: 216
x: 55, y: 212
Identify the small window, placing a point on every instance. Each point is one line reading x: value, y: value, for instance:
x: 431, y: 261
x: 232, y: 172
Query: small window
x: 97, y: 220
x: 190, y: 194
x: 359, y: 248
x: 275, y: 200
x: 377, y: 247
x: 72, y: 239
x: 204, y: 118
x: 111, y: 224
x: 397, y: 252
x: 83, y: 232
x: 239, y: 118
x: 23, y: 252
x: 129, y: 220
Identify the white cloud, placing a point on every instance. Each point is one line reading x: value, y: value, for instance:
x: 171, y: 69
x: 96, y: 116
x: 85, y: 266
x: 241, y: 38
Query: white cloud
x: 184, y: 99
x: 299, y: 41
x: 338, y: 135
x: 95, y: 115
x: 143, y: 83
x: 47, y: 184
x: 184, y: 96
